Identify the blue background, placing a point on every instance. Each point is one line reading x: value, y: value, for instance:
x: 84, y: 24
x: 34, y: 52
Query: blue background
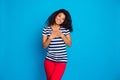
x: 95, y: 50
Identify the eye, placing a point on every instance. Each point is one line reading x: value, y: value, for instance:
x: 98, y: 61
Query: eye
x: 62, y: 16
x: 59, y: 15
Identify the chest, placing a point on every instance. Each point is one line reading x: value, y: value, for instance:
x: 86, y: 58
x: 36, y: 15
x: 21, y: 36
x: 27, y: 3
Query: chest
x: 48, y: 32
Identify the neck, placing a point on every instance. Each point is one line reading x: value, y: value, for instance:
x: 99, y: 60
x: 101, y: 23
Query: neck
x: 56, y: 25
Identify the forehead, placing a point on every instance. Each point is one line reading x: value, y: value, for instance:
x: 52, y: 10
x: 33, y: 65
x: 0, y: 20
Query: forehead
x: 62, y: 14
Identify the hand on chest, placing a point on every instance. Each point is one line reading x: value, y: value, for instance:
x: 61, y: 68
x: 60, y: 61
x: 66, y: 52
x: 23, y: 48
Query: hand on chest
x: 56, y: 32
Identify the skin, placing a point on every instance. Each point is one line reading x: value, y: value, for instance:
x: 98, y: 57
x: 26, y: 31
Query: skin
x: 56, y: 32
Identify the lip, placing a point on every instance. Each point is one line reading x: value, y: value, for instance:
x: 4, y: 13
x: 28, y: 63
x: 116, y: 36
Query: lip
x: 58, y: 20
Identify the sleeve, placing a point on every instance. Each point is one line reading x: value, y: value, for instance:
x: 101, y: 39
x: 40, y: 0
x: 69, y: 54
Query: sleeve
x: 67, y: 32
x: 44, y: 32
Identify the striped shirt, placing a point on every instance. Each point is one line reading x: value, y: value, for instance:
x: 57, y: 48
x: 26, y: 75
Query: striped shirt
x: 57, y: 47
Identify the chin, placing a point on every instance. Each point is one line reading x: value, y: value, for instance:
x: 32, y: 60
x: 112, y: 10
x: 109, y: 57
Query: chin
x: 58, y: 23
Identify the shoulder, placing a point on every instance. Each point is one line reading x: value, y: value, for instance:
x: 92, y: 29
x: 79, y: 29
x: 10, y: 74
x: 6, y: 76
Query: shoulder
x: 64, y: 29
x: 46, y: 28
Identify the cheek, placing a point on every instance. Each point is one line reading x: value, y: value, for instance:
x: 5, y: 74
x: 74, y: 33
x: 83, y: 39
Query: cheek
x: 63, y: 21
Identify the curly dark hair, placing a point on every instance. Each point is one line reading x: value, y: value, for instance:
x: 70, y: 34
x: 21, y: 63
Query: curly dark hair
x: 67, y: 22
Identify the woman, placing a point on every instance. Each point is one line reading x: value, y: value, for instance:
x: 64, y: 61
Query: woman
x: 56, y: 35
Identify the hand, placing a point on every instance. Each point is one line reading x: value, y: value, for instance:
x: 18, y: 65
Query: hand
x: 53, y: 34
x: 59, y: 33
x: 56, y: 33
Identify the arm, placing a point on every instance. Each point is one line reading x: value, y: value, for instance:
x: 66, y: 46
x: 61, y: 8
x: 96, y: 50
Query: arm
x: 45, y: 41
x: 66, y: 39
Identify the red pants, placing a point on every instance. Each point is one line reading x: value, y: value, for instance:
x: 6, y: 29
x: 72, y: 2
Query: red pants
x: 54, y: 70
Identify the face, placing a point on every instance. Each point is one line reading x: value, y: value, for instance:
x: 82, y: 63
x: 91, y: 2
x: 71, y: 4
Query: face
x: 60, y: 18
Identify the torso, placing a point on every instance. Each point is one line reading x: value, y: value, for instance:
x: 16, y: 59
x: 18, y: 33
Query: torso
x: 57, y: 47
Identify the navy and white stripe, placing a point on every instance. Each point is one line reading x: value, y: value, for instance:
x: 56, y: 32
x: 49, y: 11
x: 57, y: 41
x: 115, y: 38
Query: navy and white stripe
x: 57, y: 47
